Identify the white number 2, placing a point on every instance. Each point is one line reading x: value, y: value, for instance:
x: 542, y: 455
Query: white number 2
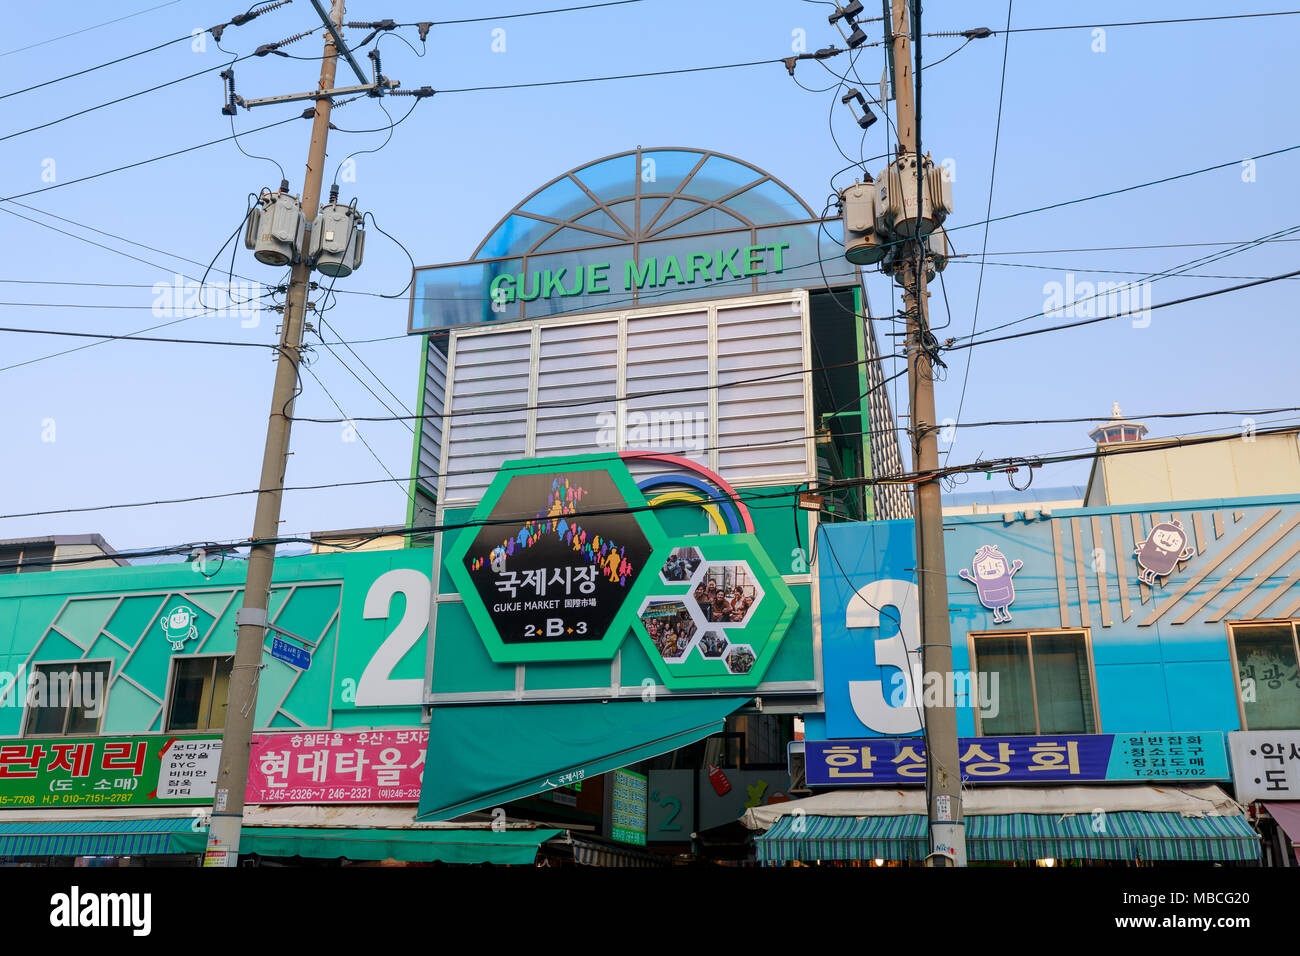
x: 376, y: 688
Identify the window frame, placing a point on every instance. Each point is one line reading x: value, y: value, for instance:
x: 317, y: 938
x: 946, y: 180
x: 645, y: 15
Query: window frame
x: 170, y: 702
x: 29, y: 712
x: 1029, y: 633
x: 1234, y: 665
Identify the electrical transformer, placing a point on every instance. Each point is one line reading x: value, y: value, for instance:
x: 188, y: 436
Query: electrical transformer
x: 274, y: 230
x: 337, y: 240
x: 862, y: 245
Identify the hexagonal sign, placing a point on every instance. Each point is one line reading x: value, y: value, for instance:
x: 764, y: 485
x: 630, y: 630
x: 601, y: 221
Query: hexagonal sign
x: 560, y: 545
x: 715, y: 614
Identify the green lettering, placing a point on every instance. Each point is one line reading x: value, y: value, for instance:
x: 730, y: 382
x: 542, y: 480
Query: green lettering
x: 647, y: 275
x: 502, y: 290
x: 597, y: 281
x: 579, y: 285
x: 779, y: 249
x: 523, y: 287
x: 671, y: 268
x: 754, y: 260
x: 699, y: 263
x: 551, y: 284
x: 724, y: 262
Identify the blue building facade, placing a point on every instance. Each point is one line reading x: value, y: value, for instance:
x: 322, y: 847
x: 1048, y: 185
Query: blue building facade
x: 1151, y: 639
x: 1198, y: 648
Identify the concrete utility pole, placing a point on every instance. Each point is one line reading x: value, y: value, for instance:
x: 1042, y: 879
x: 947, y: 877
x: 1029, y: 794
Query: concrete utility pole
x: 943, y: 772
x: 232, y: 778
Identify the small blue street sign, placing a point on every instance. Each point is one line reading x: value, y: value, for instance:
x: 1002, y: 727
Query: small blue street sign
x: 291, y: 654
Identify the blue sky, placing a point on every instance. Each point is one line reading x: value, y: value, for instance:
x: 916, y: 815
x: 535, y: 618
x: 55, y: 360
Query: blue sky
x: 137, y: 422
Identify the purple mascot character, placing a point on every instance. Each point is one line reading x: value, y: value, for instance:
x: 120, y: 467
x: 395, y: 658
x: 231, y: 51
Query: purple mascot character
x: 1160, y: 553
x: 991, y: 576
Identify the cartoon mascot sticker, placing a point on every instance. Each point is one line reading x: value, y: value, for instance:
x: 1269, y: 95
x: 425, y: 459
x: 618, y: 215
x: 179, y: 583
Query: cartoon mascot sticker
x: 179, y: 627
x: 991, y: 574
x: 1160, y: 553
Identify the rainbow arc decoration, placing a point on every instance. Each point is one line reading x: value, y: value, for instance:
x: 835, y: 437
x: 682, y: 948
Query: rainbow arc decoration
x: 715, y: 496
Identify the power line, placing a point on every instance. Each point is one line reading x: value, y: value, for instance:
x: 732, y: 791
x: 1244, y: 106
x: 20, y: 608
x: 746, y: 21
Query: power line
x: 504, y: 16
x: 373, y: 454
x: 1165, y: 274
x: 145, y: 162
x: 621, y: 76
x: 64, y: 36
x: 139, y: 338
x: 123, y: 99
x: 92, y: 69
x: 1118, y: 315
x: 1134, y: 23
x: 1158, y: 245
x: 1064, y: 268
x: 746, y: 496
x: 993, y: 171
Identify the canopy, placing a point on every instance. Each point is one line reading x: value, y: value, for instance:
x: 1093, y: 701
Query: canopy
x: 414, y: 845
x: 356, y: 833
x: 593, y: 853
x: 485, y: 756
x: 979, y: 801
x: 1123, y: 835
x: 128, y: 837
x: 1287, y: 816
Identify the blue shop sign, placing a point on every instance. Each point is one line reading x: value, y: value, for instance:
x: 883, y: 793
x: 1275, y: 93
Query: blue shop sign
x: 1062, y: 758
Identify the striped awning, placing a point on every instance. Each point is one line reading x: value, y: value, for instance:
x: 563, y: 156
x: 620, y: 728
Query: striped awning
x: 182, y: 835
x: 1015, y: 837
x: 93, y: 837
x: 591, y: 853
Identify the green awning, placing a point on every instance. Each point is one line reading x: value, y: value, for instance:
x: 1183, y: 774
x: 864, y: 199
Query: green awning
x: 95, y: 837
x: 484, y: 756
x: 147, y: 837
x: 1126, y: 835
x: 812, y: 838
x: 414, y: 846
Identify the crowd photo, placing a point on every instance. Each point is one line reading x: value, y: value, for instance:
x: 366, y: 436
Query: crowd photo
x: 681, y: 564
x: 724, y: 595
x: 670, y: 627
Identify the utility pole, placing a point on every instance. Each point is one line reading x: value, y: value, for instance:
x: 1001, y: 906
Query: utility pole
x: 236, y: 741
x: 942, y: 773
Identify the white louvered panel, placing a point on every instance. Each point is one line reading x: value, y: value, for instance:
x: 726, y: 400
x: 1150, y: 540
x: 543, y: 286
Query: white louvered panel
x: 762, y: 425
x: 577, y: 387
x: 431, y: 426
x: 666, y: 383
x: 491, y: 371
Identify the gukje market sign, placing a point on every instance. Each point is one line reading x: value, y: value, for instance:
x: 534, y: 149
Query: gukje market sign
x: 738, y: 262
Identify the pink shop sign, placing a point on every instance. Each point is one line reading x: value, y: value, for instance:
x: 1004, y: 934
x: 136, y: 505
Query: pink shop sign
x: 373, y: 766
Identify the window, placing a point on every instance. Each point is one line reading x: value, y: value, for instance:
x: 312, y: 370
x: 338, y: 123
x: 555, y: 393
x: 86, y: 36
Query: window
x: 67, y: 698
x: 1268, y: 676
x: 1033, y: 683
x: 200, y: 688
x: 32, y: 557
